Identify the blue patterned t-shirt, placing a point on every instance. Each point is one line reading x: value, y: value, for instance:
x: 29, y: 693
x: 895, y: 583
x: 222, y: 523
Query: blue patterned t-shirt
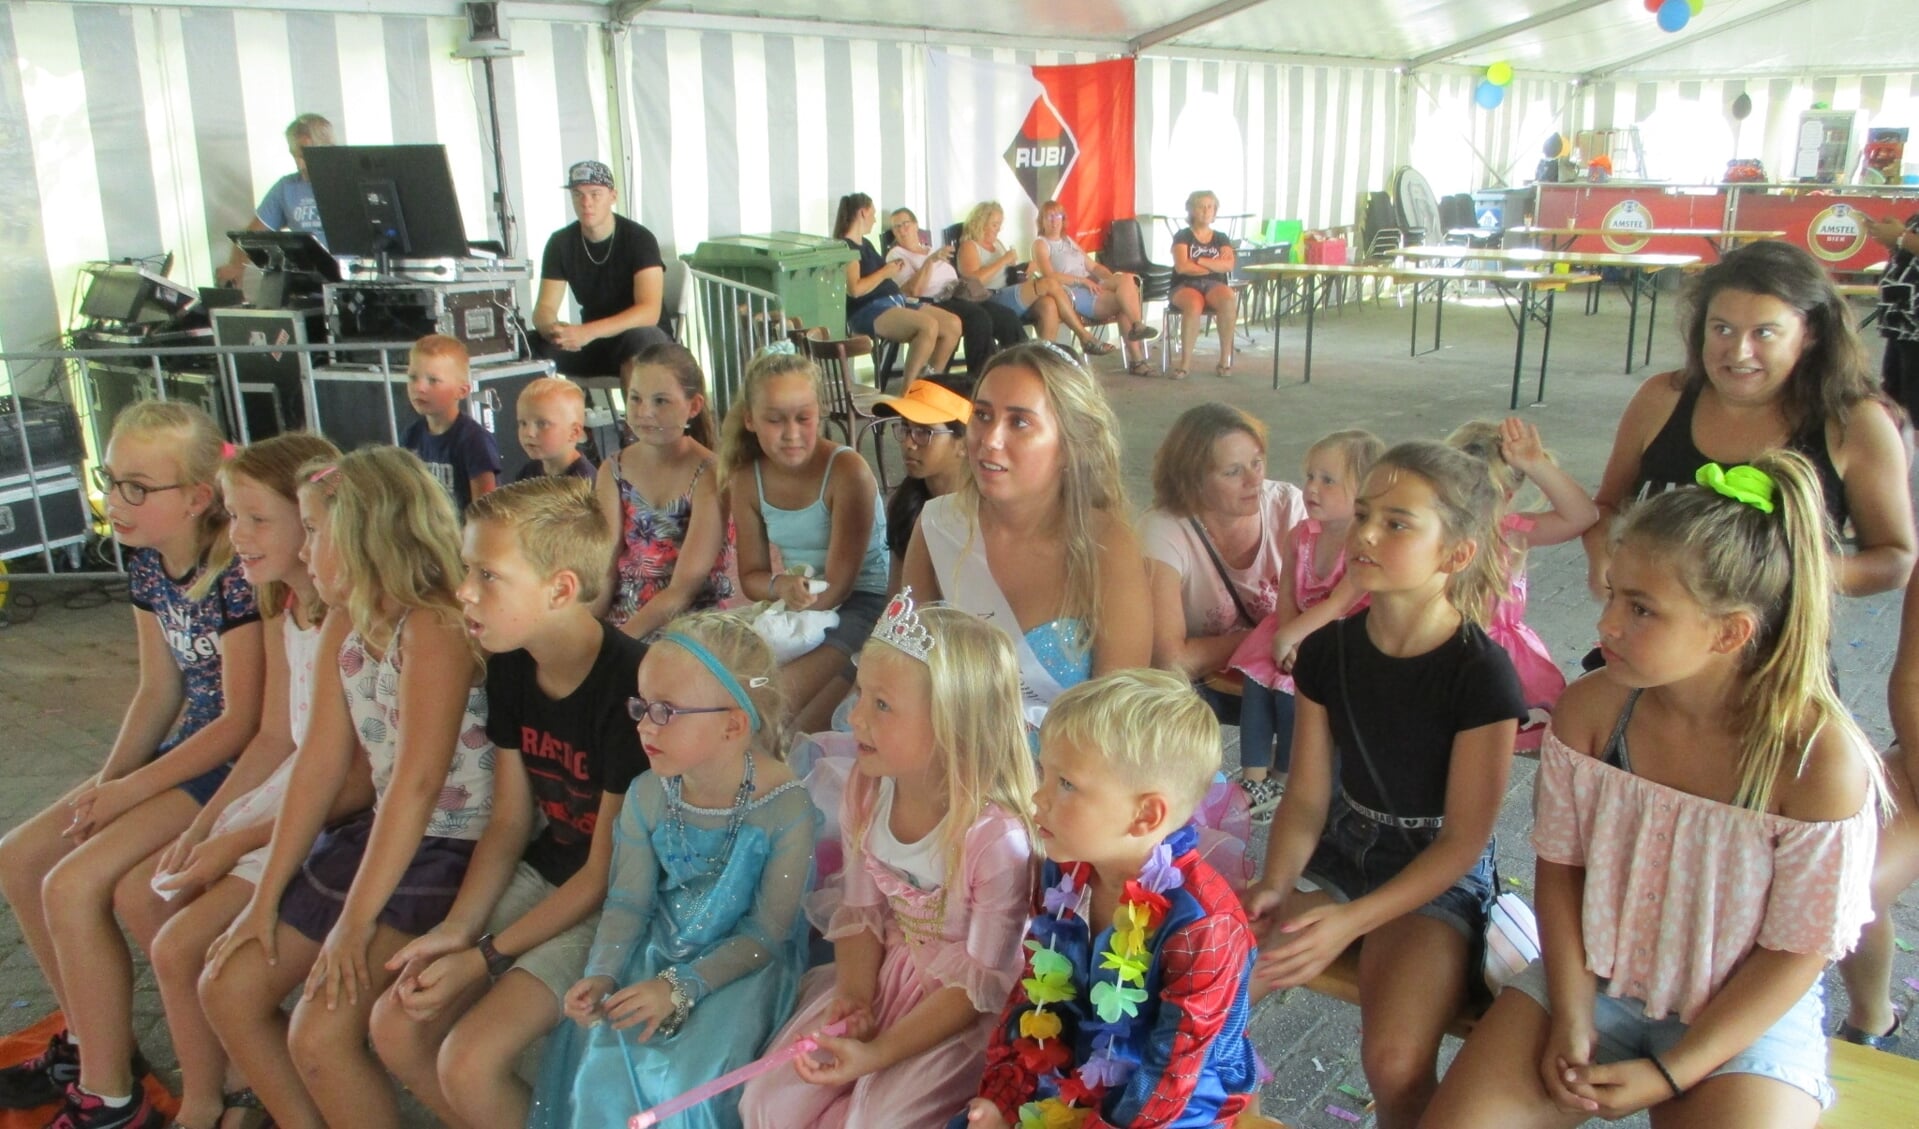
x: 192, y: 629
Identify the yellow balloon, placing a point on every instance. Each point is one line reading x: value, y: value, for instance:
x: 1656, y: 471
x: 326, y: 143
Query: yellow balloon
x: 1565, y: 147
x: 1499, y: 74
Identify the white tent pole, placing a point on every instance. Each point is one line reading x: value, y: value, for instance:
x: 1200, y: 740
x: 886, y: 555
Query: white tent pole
x: 1675, y: 42
x: 1550, y: 16
x: 1180, y: 27
x: 612, y: 45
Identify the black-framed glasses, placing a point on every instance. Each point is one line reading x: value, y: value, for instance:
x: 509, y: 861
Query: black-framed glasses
x: 133, y: 493
x: 921, y: 434
x: 662, y: 713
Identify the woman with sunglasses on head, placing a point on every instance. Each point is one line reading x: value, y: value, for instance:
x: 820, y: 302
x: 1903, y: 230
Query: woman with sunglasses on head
x: 1097, y: 294
x: 928, y: 274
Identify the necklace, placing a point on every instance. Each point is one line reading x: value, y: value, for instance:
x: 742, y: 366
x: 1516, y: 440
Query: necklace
x: 588, y: 247
x: 1108, y: 1006
x: 735, y: 815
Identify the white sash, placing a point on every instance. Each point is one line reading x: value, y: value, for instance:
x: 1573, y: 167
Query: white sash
x: 966, y: 581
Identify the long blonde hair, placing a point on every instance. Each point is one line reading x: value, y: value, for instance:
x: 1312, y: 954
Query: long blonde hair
x: 1480, y: 439
x: 198, y: 449
x: 1090, y: 482
x: 1469, y: 509
x: 396, y: 535
x: 275, y: 464
x: 1731, y: 557
x: 739, y: 446
x: 979, y: 727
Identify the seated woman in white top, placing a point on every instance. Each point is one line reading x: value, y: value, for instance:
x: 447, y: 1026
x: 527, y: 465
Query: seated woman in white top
x: 1042, y: 301
x: 1097, y: 293
x: 928, y: 275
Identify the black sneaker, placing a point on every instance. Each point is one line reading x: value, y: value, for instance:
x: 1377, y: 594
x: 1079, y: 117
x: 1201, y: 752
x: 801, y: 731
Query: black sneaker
x: 42, y: 1079
x: 84, y: 1111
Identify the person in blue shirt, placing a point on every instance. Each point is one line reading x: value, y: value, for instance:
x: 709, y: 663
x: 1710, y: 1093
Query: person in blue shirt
x: 288, y: 205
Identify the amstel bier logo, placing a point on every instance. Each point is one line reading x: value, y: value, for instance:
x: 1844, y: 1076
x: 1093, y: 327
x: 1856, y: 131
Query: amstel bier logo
x: 1043, y: 153
x: 1837, y: 233
x: 1627, y: 215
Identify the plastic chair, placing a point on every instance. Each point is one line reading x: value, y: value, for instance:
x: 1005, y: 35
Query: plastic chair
x: 846, y: 404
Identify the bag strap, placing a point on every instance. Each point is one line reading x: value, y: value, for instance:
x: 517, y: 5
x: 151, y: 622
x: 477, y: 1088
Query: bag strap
x: 1359, y: 743
x: 1219, y: 566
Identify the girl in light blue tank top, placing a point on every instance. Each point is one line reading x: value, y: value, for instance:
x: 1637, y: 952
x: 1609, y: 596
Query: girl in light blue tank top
x: 774, y: 429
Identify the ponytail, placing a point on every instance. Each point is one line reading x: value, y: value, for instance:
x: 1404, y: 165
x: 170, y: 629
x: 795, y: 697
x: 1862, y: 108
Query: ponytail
x: 1732, y: 557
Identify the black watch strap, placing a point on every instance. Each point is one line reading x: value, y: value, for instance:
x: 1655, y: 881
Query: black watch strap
x: 497, y: 962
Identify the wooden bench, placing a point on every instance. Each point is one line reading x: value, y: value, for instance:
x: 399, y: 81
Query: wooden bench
x: 1876, y: 1089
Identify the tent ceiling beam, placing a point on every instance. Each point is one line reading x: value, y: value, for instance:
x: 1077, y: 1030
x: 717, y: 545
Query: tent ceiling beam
x: 1674, y: 43
x: 626, y: 11
x: 1552, y: 15
x: 1199, y: 19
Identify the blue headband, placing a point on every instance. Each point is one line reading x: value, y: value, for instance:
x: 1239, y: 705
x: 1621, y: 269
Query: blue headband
x: 718, y: 670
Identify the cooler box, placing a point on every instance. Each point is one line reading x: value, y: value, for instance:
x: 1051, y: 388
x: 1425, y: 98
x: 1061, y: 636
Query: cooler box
x: 808, y: 272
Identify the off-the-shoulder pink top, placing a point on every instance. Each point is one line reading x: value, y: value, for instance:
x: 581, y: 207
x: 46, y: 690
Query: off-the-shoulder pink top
x: 1679, y: 888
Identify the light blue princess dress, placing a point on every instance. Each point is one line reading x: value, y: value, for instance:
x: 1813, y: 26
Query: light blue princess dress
x: 715, y: 894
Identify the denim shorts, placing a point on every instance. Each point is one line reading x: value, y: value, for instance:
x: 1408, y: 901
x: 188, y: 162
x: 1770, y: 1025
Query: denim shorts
x: 1008, y: 296
x: 1083, y: 300
x: 1792, y: 1050
x: 861, y: 321
x: 1357, y: 855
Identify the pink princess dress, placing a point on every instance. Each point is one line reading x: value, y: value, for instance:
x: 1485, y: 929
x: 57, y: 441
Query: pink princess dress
x: 938, y: 931
x: 1254, y: 658
x: 1539, y: 676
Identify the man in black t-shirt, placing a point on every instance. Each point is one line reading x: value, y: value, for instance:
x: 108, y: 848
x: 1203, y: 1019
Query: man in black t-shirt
x: 614, y: 269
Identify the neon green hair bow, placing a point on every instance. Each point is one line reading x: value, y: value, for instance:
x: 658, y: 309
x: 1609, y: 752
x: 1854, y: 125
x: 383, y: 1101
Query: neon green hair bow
x: 1741, y: 483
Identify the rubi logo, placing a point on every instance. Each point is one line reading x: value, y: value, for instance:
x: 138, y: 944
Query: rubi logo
x: 1043, y: 153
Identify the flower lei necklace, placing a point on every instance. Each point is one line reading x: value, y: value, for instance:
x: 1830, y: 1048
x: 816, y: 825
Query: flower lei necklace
x: 1117, y: 988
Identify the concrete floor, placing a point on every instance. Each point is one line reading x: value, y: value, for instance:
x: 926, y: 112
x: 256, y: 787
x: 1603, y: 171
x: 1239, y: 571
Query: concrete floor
x: 66, y: 671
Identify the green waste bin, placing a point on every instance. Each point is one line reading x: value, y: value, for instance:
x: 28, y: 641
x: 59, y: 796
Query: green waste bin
x: 808, y: 272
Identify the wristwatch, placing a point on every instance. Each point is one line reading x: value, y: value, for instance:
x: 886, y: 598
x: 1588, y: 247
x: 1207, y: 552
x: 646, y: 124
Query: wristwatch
x: 497, y: 962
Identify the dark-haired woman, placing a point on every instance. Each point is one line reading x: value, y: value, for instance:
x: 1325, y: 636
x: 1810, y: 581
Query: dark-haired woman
x: 1772, y: 360
x: 877, y: 307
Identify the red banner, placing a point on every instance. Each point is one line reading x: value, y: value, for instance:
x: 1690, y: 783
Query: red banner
x: 1092, y: 104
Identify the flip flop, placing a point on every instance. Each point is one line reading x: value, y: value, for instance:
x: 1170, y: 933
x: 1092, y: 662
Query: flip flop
x: 1179, y: 373
x: 1225, y: 367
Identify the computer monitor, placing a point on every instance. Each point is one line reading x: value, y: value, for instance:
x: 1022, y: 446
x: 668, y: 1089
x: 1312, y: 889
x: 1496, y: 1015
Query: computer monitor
x: 387, y: 200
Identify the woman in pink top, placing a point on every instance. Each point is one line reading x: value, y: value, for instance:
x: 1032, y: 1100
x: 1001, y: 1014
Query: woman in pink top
x: 1705, y: 820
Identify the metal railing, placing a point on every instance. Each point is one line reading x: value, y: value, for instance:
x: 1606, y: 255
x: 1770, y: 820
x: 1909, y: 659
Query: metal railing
x: 726, y: 322
x: 74, y: 376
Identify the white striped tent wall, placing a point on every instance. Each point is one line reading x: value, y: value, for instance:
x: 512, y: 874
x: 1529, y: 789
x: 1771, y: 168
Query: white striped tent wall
x: 132, y: 132
x: 1689, y: 132
x: 1459, y: 146
x: 1277, y: 141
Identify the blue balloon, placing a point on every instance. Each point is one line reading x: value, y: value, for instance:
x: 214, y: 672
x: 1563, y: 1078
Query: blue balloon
x: 1490, y: 96
x: 1674, y: 15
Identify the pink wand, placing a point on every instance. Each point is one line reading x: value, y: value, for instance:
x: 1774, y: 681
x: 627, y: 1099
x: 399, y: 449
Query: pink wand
x: 647, y: 1118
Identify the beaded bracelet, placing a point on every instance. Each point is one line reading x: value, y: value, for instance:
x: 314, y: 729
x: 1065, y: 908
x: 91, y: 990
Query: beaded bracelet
x: 682, y: 1003
x: 1677, y: 1092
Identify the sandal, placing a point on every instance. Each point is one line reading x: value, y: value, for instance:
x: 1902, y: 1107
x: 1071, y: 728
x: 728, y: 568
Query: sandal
x: 1141, y: 367
x: 1225, y: 367
x: 1094, y: 347
x: 1179, y: 372
x: 1884, y: 1042
x: 246, y: 1100
x: 1141, y: 332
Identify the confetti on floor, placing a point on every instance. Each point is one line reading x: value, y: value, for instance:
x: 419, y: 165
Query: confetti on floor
x: 1344, y: 1114
x: 1355, y: 1093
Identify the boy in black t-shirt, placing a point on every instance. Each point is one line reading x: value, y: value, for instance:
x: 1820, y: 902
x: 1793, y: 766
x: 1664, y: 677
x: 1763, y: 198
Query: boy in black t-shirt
x: 460, y: 454
x: 557, y: 684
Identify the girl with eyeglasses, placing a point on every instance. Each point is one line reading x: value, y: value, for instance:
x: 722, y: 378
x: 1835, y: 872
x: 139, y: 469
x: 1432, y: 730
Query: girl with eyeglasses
x: 202, y: 678
x: 701, y: 943
x: 932, y: 433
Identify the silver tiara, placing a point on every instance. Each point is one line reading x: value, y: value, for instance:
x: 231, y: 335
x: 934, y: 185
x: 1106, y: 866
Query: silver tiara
x: 901, y: 629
